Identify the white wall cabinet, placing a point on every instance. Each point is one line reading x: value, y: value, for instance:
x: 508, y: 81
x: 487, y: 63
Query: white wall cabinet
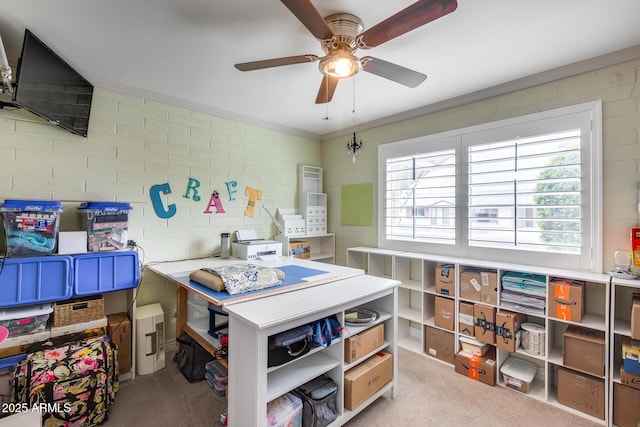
x: 416, y: 273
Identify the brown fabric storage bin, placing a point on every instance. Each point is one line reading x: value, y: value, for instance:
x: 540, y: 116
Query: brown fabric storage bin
x: 78, y: 310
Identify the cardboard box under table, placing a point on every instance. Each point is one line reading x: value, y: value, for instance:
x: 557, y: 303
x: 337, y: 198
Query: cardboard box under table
x: 367, y: 378
x: 440, y: 344
x: 584, y: 350
x: 358, y: 346
x: 478, y: 368
x: 566, y: 299
x: 626, y: 406
x: 581, y: 392
x: 444, y: 313
x: 119, y: 331
x: 446, y: 280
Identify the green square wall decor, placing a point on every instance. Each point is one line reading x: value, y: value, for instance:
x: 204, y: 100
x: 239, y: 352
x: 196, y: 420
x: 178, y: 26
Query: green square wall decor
x: 357, y: 204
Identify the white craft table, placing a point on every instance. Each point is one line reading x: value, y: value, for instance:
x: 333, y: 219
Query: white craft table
x: 252, y: 320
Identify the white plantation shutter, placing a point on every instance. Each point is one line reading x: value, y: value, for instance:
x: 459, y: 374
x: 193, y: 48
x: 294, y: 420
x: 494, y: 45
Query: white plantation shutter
x: 526, y: 189
x: 420, y: 197
x: 525, y: 193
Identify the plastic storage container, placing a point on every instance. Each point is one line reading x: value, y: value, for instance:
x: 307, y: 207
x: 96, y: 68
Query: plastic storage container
x: 107, y: 225
x: 31, y: 226
x: 285, y: 411
x: 216, y: 375
x: 97, y: 273
x: 35, y: 280
x: 518, y: 374
x: 198, y: 313
x: 26, y: 320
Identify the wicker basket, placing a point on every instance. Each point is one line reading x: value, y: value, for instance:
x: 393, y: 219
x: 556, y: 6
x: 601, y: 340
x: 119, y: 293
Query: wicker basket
x: 78, y: 310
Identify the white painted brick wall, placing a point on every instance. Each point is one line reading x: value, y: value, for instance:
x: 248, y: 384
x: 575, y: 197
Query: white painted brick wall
x: 134, y: 143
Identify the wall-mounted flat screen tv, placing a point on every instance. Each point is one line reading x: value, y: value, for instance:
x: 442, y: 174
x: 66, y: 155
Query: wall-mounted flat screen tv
x: 49, y: 87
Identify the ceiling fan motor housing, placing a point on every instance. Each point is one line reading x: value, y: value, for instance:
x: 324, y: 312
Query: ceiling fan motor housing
x: 340, y: 61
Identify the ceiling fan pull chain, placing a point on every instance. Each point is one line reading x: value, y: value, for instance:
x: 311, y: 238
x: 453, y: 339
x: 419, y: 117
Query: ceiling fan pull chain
x: 353, y: 110
x: 326, y: 104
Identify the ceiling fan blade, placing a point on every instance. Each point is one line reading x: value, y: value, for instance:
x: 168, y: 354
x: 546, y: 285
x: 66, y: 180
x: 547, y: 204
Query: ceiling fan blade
x: 414, y: 16
x: 327, y: 88
x: 310, y: 18
x: 391, y: 71
x: 276, y: 62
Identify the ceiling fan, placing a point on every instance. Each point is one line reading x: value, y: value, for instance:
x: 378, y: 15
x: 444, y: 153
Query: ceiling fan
x: 341, y: 35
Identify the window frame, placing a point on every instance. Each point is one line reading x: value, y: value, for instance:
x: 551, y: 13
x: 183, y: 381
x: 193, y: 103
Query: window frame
x: 590, y: 119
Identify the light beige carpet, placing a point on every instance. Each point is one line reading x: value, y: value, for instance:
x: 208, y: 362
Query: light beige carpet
x: 430, y: 393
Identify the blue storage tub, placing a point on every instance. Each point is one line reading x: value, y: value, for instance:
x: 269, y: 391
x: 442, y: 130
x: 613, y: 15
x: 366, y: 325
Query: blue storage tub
x: 96, y: 273
x: 34, y: 280
x: 8, y: 364
x: 31, y: 226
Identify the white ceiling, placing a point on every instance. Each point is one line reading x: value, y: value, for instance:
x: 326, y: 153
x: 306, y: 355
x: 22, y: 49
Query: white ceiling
x: 183, y: 51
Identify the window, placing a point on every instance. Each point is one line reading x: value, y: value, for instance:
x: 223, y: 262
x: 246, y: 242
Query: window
x: 526, y: 189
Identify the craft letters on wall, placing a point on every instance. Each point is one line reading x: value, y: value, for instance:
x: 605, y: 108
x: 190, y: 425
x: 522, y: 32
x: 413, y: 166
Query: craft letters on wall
x: 192, y: 192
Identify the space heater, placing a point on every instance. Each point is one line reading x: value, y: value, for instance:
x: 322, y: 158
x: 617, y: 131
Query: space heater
x: 149, y: 339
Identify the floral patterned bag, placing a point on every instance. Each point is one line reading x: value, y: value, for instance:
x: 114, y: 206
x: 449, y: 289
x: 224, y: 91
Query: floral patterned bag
x: 72, y: 384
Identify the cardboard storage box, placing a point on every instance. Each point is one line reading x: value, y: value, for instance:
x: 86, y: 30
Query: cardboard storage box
x: 440, y: 344
x: 489, y: 283
x: 358, y: 346
x: 470, y: 285
x: 631, y: 356
x: 485, y: 323
x: 444, y: 313
x: 446, y: 280
x: 629, y: 380
x: 566, y: 299
x: 508, y: 329
x: 365, y: 379
x: 479, y: 368
x: 465, y: 319
x: 300, y: 249
x: 584, y: 350
x: 473, y: 346
x: 626, y: 406
x: 119, y: 331
x: 581, y: 392
x: 635, y: 317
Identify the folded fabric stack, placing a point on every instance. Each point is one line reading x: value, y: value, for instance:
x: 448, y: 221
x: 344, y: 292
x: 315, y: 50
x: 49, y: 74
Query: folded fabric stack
x: 525, y: 292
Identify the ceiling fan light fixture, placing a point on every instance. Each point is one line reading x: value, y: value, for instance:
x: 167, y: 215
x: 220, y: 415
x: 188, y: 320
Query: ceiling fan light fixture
x: 340, y: 65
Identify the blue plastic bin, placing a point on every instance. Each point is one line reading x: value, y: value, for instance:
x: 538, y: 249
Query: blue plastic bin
x: 26, y: 281
x: 8, y: 364
x: 31, y: 226
x: 96, y: 273
x: 107, y: 225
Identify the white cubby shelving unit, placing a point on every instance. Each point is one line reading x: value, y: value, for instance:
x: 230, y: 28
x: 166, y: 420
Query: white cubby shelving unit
x: 416, y: 273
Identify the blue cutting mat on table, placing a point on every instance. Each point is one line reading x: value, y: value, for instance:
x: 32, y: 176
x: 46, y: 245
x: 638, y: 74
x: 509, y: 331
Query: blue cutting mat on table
x: 293, y: 275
